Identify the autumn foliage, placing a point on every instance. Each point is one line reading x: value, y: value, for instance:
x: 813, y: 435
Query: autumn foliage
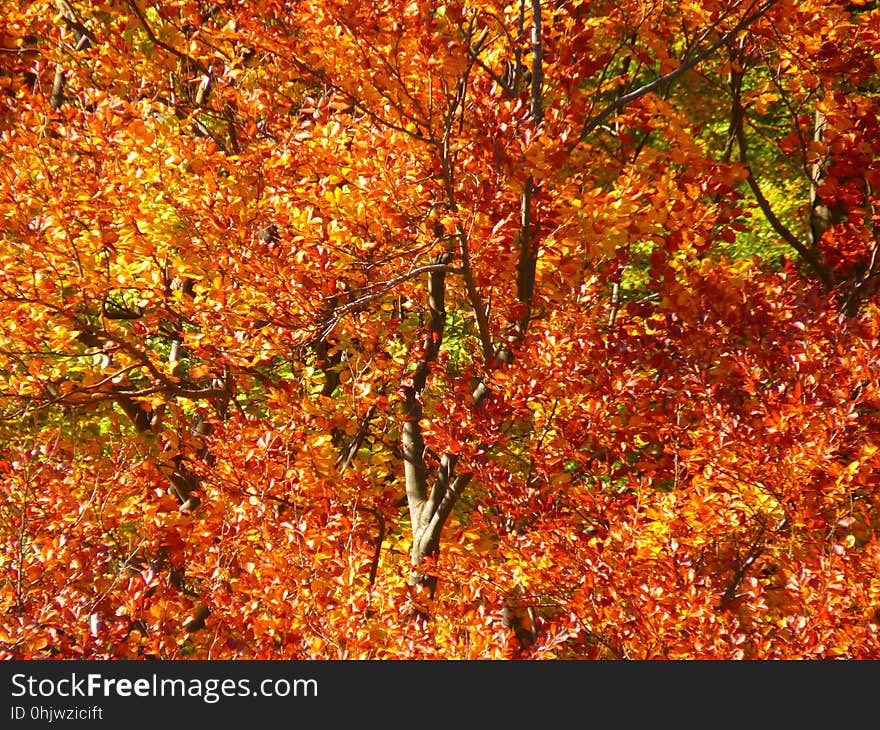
x: 470, y: 329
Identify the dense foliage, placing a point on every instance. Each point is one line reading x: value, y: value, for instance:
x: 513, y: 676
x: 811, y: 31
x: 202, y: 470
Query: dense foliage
x: 467, y: 329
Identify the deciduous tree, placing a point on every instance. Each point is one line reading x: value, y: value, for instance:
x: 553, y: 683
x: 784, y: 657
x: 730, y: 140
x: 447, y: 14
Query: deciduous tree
x: 469, y: 329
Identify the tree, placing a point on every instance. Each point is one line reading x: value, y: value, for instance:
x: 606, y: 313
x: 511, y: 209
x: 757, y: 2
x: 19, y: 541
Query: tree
x: 416, y: 330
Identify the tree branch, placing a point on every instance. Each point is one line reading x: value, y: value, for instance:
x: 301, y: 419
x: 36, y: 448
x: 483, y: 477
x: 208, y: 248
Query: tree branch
x: 595, y: 121
x: 736, y: 120
x: 197, y: 65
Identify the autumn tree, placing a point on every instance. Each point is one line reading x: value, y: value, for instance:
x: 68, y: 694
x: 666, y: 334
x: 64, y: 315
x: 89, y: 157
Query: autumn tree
x: 415, y: 330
